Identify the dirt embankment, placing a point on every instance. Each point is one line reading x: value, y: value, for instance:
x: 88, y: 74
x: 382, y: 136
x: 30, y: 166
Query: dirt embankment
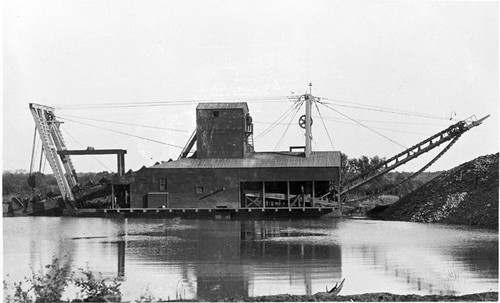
x: 466, y: 194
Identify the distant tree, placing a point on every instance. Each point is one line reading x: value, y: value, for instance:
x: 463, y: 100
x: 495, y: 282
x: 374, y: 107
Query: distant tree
x: 354, y: 167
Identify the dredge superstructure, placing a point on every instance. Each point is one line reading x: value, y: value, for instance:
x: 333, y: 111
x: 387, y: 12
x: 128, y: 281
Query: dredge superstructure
x: 224, y: 176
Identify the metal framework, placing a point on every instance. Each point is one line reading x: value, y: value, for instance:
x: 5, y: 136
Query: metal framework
x: 57, y: 153
x: 189, y: 145
x: 120, y: 155
x: 451, y: 133
x: 52, y: 140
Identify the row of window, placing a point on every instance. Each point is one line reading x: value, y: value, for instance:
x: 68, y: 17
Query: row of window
x: 162, y: 186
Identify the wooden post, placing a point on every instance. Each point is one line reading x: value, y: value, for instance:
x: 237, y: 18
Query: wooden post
x: 113, y: 203
x: 288, y: 193
x: 313, y: 194
x: 339, y: 198
x: 264, y: 194
x: 119, y: 165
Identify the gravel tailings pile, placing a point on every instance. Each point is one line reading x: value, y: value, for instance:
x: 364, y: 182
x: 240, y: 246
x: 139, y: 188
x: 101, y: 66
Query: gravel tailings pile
x: 466, y: 194
x: 370, y: 297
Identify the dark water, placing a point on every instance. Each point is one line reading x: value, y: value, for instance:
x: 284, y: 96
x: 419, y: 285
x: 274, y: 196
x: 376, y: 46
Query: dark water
x: 206, y: 259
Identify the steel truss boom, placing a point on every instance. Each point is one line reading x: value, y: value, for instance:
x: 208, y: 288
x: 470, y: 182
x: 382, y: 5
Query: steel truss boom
x: 452, y: 132
x: 52, y: 140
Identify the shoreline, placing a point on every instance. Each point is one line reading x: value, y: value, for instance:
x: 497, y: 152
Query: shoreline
x: 491, y: 296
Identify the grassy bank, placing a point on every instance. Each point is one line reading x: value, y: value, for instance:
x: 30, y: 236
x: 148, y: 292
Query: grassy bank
x: 49, y: 284
x: 369, y: 297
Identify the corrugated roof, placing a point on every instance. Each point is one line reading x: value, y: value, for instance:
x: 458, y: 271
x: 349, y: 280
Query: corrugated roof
x: 261, y: 160
x: 223, y: 105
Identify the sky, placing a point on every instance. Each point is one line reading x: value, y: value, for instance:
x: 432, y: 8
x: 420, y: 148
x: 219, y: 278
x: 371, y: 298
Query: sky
x: 140, y: 68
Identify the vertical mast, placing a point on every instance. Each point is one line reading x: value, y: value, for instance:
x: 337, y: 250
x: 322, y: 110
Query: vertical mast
x: 308, y: 99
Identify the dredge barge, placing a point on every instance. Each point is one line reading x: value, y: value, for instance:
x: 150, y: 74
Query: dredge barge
x: 223, y: 177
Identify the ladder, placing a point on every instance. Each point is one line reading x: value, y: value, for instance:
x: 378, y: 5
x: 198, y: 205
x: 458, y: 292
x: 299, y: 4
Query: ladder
x: 452, y: 132
x: 52, y: 140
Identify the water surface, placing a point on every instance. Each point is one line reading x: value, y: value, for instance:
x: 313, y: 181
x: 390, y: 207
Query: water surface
x: 208, y: 259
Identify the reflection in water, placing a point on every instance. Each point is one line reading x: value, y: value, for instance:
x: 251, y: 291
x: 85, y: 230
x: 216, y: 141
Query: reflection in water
x: 121, y: 260
x: 213, y: 259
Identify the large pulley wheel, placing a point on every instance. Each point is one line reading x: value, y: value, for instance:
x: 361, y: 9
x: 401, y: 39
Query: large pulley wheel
x: 302, y: 121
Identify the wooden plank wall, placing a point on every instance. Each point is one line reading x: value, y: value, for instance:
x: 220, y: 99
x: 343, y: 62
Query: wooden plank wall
x: 182, y: 183
x: 220, y: 137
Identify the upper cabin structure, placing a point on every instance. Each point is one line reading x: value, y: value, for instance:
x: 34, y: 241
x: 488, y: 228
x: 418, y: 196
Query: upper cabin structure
x: 226, y: 172
x: 223, y: 130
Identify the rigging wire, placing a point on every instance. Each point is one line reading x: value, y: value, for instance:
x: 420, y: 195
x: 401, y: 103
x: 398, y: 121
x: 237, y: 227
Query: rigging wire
x: 119, y: 132
x: 33, y: 151
x: 384, y: 109
x: 170, y: 102
x: 232, y: 98
x: 386, y: 121
x: 382, y: 128
x: 266, y: 99
x: 124, y: 123
x: 95, y: 158
x: 44, y: 162
x: 365, y: 105
x: 365, y: 126
x: 41, y: 159
x: 413, y: 175
x: 288, y: 126
x: 324, y: 125
x: 276, y: 122
x: 388, y: 111
x: 344, y: 122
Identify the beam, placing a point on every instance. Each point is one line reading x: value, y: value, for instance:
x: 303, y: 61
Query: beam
x: 189, y: 146
x: 93, y: 152
x: 42, y: 107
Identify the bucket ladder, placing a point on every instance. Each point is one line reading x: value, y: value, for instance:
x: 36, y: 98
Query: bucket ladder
x: 452, y: 132
x: 52, y: 141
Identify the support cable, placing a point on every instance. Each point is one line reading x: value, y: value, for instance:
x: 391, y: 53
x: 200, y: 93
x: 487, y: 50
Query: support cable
x: 95, y: 158
x: 382, y: 128
x: 286, y: 129
x: 119, y: 132
x: 276, y: 122
x: 385, y: 121
x: 33, y: 152
x: 324, y: 125
x: 365, y: 126
x: 383, y: 109
x: 123, y: 123
x: 44, y: 162
x: 441, y: 153
x: 171, y: 102
x: 41, y: 159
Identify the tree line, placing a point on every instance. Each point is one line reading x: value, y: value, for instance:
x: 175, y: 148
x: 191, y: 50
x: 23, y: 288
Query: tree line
x: 16, y: 183
x: 353, y: 167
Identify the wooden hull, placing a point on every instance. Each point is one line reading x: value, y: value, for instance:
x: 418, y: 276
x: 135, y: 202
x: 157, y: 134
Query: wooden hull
x: 205, y: 213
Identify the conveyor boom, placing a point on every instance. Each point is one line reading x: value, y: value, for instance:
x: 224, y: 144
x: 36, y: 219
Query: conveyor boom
x: 413, y: 152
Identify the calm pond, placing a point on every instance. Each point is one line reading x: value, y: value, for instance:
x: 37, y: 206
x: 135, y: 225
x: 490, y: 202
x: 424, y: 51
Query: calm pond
x: 210, y: 259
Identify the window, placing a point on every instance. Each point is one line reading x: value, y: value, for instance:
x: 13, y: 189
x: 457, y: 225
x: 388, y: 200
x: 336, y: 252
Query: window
x: 162, y: 184
x: 215, y: 113
x: 199, y: 190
